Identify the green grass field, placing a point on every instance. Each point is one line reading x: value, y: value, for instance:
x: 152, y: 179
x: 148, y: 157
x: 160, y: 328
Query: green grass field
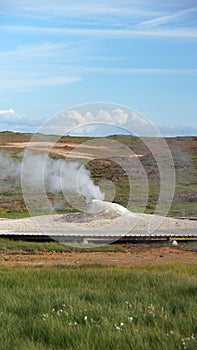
x: 94, y: 307
x: 16, y: 247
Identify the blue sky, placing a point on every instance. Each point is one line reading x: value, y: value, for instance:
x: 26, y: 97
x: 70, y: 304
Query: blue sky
x: 58, y: 54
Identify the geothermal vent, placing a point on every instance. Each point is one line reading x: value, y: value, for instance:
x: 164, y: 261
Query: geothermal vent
x: 98, y: 206
x: 99, y: 210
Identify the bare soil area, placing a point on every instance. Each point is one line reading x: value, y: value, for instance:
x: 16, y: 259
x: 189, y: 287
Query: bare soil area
x: 134, y: 255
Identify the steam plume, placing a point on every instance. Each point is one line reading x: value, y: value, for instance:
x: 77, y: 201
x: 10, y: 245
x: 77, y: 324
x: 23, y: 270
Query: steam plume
x: 52, y: 175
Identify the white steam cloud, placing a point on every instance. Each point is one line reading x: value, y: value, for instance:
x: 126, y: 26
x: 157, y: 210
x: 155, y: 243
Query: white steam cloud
x: 42, y: 173
x: 10, y: 168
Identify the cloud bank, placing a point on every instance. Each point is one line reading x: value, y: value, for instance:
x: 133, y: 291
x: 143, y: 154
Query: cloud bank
x: 99, y: 123
x: 12, y: 121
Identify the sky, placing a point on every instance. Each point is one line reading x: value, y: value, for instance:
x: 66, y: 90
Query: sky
x: 55, y: 55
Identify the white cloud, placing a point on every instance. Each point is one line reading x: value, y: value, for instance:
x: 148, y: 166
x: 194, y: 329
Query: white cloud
x: 104, y: 122
x: 120, y: 116
x: 13, y: 84
x: 11, y: 120
x: 175, y: 16
x: 101, y: 122
x: 141, y: 126
x: 74, y: 118
x: 8, y: 115
x: 126, y: 70
x: 37, y: 65
x: 66, y: 8
x: 110, y: 33
x: 83, y: 123
x: 46, y: 50
x: 115, y: 116
x: 104, y: 116
x: 171, y: 130
x: 120, y: 18
x: 136, y: 9
x: 62, y: 59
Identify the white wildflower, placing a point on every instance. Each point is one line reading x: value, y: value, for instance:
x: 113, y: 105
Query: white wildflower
x: 151, y: 307
x: 45, y: 316
x: 184, y: 344
x: 59, y: 312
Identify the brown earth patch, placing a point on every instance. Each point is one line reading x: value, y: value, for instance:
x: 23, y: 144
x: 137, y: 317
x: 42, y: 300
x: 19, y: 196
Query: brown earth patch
x: 134, y: 255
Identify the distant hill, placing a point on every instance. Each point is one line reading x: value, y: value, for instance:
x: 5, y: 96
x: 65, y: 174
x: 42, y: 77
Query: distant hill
x: 184, y: 153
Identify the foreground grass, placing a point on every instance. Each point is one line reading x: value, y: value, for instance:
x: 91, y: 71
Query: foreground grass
x: 94, y: 307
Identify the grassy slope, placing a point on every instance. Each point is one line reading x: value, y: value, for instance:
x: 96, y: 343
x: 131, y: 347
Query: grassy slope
x: 16, y: 247
x: 94, y: 307
x: 184, y: 151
